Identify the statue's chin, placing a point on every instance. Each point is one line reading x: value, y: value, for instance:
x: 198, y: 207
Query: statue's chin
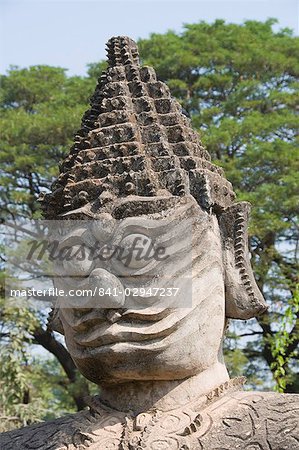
x: 122, y: 363
x: 189, y: 349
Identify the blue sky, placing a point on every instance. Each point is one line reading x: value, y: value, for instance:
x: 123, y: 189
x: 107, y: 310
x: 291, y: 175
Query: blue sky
x: 72, y: 33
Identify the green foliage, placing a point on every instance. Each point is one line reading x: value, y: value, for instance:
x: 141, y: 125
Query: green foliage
x: 236, y: 362
x: 95, y: 69
x: 15, y: 407
x: 39, y: 113
x: 282, y: 342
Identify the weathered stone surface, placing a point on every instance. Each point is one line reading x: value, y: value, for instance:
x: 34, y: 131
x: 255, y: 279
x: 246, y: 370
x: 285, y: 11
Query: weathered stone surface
x: 226, y: 421
x: 154, y: 341
x: 135, y: 140
x: 138, y: 169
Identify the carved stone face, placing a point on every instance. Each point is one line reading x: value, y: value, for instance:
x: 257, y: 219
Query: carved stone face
x: 172, y: 331
x: 137, y: 157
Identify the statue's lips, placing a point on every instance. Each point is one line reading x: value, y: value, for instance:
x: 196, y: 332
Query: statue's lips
x: 133, y: 327
x: 94, y: 328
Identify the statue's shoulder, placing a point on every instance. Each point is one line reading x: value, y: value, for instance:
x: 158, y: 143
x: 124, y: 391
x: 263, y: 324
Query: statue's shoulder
x: 54, y: 434
x: 251, y: 420
x: 74, y: 431
x: 236, y: 420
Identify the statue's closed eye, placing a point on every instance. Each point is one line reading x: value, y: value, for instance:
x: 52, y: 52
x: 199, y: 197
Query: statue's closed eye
x: 78, y: 263
x: 73, y: 260
x: 136, y: 251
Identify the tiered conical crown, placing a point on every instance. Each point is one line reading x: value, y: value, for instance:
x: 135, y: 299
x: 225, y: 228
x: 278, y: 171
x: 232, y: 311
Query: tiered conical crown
x: 135, y: 141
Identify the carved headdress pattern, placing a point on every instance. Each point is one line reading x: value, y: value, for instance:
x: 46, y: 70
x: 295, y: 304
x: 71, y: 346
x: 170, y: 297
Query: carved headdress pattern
x: 135, y: 140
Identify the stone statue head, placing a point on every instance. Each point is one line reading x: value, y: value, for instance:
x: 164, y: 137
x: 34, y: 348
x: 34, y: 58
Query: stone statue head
x: 139, y: 173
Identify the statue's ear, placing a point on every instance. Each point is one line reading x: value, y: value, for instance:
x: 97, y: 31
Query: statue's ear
x: 54, y: 322
x: 243, y: 297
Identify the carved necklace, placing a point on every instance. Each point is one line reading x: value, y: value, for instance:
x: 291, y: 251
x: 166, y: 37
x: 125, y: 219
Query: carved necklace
x: 178, y: 429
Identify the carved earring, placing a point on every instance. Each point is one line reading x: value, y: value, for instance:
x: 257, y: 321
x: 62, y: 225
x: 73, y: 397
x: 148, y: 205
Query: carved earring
x: 243, y: 298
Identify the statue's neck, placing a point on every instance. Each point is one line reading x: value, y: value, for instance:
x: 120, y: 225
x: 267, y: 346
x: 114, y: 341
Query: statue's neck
x: 139, y: 396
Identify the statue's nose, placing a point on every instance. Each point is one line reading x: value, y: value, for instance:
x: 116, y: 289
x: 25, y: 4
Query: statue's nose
x: 108, y: 291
